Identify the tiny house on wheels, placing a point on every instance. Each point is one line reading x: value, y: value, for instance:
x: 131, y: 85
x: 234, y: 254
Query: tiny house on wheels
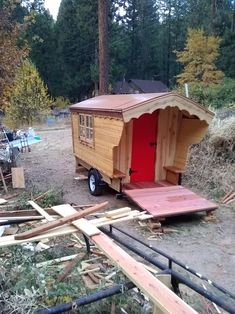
x: 138, y: 145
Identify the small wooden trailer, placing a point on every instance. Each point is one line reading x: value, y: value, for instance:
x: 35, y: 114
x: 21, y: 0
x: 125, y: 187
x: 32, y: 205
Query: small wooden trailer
x: 138, y: 145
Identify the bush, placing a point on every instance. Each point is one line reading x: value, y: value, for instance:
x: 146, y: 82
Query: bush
x: 216, y: 95
x: 61, y: 102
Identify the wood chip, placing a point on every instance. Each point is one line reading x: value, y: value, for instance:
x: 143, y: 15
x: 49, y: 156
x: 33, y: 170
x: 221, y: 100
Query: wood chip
x: 11, y: 230
x: 2, y: 201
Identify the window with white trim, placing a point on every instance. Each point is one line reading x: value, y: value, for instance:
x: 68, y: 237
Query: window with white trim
x: 86, y: 128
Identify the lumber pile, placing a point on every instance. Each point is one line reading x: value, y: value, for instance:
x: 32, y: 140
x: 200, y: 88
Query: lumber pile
x: 106, y: 258
x: 57, y: 226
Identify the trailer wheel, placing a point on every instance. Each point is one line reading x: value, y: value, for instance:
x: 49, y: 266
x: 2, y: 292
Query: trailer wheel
x: 94, y: 180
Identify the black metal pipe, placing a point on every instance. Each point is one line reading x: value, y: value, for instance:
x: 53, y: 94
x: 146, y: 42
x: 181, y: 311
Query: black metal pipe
x: 177, y: 262
x: 220, y: 302
x: 108, y: 292
x: 15, y: 221
x: 88, y: 247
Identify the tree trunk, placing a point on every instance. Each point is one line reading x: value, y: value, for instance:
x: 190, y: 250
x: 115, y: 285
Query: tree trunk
x: 103, y: 45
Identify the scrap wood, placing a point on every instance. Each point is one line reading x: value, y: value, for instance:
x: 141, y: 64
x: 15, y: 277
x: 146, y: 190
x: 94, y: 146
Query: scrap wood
x: 3, y: 181
x: 7, y: 197
x: 88, y: 282
x: 145, y: 217
x: 160, y: 295
x: 93, y: 277
x: 117, y: 212
x: 23, y: 212
x: 231, y: 201
x: 41, y: 247
x: 18, y: 181
x: 80, y: 177
x: 10, y: 231
x: 230, y: 197
x: 226, y: 195
x: 41, y: 211
x: 84, y: 272
x: 134, y: 214
x: 64, y: 230
x: 39, y: 197
x: 59, y: 260
x: 69, y: 267
x: 2, y: 201
x: 59, y: 222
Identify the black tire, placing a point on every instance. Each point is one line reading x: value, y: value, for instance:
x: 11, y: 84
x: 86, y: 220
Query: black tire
x: 94, y: 181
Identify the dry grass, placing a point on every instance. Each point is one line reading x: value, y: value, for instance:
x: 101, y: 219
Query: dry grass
x: 211, y: 164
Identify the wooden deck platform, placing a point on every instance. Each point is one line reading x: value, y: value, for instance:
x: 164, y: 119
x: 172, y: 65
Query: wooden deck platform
x: 165, y: 201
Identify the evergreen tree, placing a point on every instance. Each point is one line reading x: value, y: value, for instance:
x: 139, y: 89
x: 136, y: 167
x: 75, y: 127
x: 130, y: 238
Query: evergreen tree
x: 77, y: 42
x: 40, y: 37
x: 227, y: 59
x: 11, y: 54
x: 28, y: 98
x: 199, y: 58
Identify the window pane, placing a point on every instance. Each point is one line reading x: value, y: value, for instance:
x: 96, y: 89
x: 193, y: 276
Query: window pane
x: 82, y: 132
x: 81, y: 117
x: 87, y: 121
x: 87, y: 134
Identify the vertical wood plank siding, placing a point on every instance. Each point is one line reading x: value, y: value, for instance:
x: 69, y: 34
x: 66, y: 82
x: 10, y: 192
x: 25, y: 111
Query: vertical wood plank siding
x: 107, y: 135
x: 175, y: 135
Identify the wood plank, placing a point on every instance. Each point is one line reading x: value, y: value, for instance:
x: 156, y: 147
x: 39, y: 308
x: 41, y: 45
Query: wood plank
x: 10, y: 240
x: 163, y: 297
x: 82, y: 224
x: 18, y: 181
x: 3, y: 181
x: 115, y: 212
x: 59, y: 222
x: 41, y: 211
x: 66, y: 230
x: 169, y: 201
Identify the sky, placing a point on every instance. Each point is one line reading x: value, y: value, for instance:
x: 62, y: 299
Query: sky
x: 53, y: 6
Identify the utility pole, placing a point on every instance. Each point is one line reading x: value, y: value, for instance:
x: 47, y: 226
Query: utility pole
x: 103, y: 46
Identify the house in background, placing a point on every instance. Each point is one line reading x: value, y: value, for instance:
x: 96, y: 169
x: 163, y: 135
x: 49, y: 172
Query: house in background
x: 133, y: 86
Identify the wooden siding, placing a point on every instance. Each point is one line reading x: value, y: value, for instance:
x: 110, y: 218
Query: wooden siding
x: 107, y: 135
x: 122, y: 153
x: 191, y: 132
x: 175, y: 135
x: 168, y: 126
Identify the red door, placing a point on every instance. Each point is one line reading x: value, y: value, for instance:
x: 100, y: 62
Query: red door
x: 144, y: 138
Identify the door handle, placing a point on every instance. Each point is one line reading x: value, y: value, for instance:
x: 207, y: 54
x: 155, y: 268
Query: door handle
x: 132, y: 171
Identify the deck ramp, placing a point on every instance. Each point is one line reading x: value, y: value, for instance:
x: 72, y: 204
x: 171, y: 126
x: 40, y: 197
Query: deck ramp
x: 169, y: 201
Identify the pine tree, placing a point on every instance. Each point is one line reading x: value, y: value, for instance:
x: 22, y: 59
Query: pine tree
x: 199, y: 58
x: 11, y: 54
x: 76, y: 32
x: 40, y: 38
x: 29, y: 97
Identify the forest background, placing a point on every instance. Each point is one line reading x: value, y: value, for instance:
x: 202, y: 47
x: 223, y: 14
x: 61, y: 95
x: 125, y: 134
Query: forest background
x: 144, y: 37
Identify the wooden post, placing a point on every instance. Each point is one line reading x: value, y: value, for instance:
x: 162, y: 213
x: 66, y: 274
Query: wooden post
x: 103, y: 32
x: 3, y: 181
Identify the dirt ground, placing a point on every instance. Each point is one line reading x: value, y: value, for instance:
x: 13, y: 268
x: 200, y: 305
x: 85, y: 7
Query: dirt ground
x: 208, y: 247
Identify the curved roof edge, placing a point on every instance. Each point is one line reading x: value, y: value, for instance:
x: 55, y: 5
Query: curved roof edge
x: 131, y: 106
x: 168, y: 100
